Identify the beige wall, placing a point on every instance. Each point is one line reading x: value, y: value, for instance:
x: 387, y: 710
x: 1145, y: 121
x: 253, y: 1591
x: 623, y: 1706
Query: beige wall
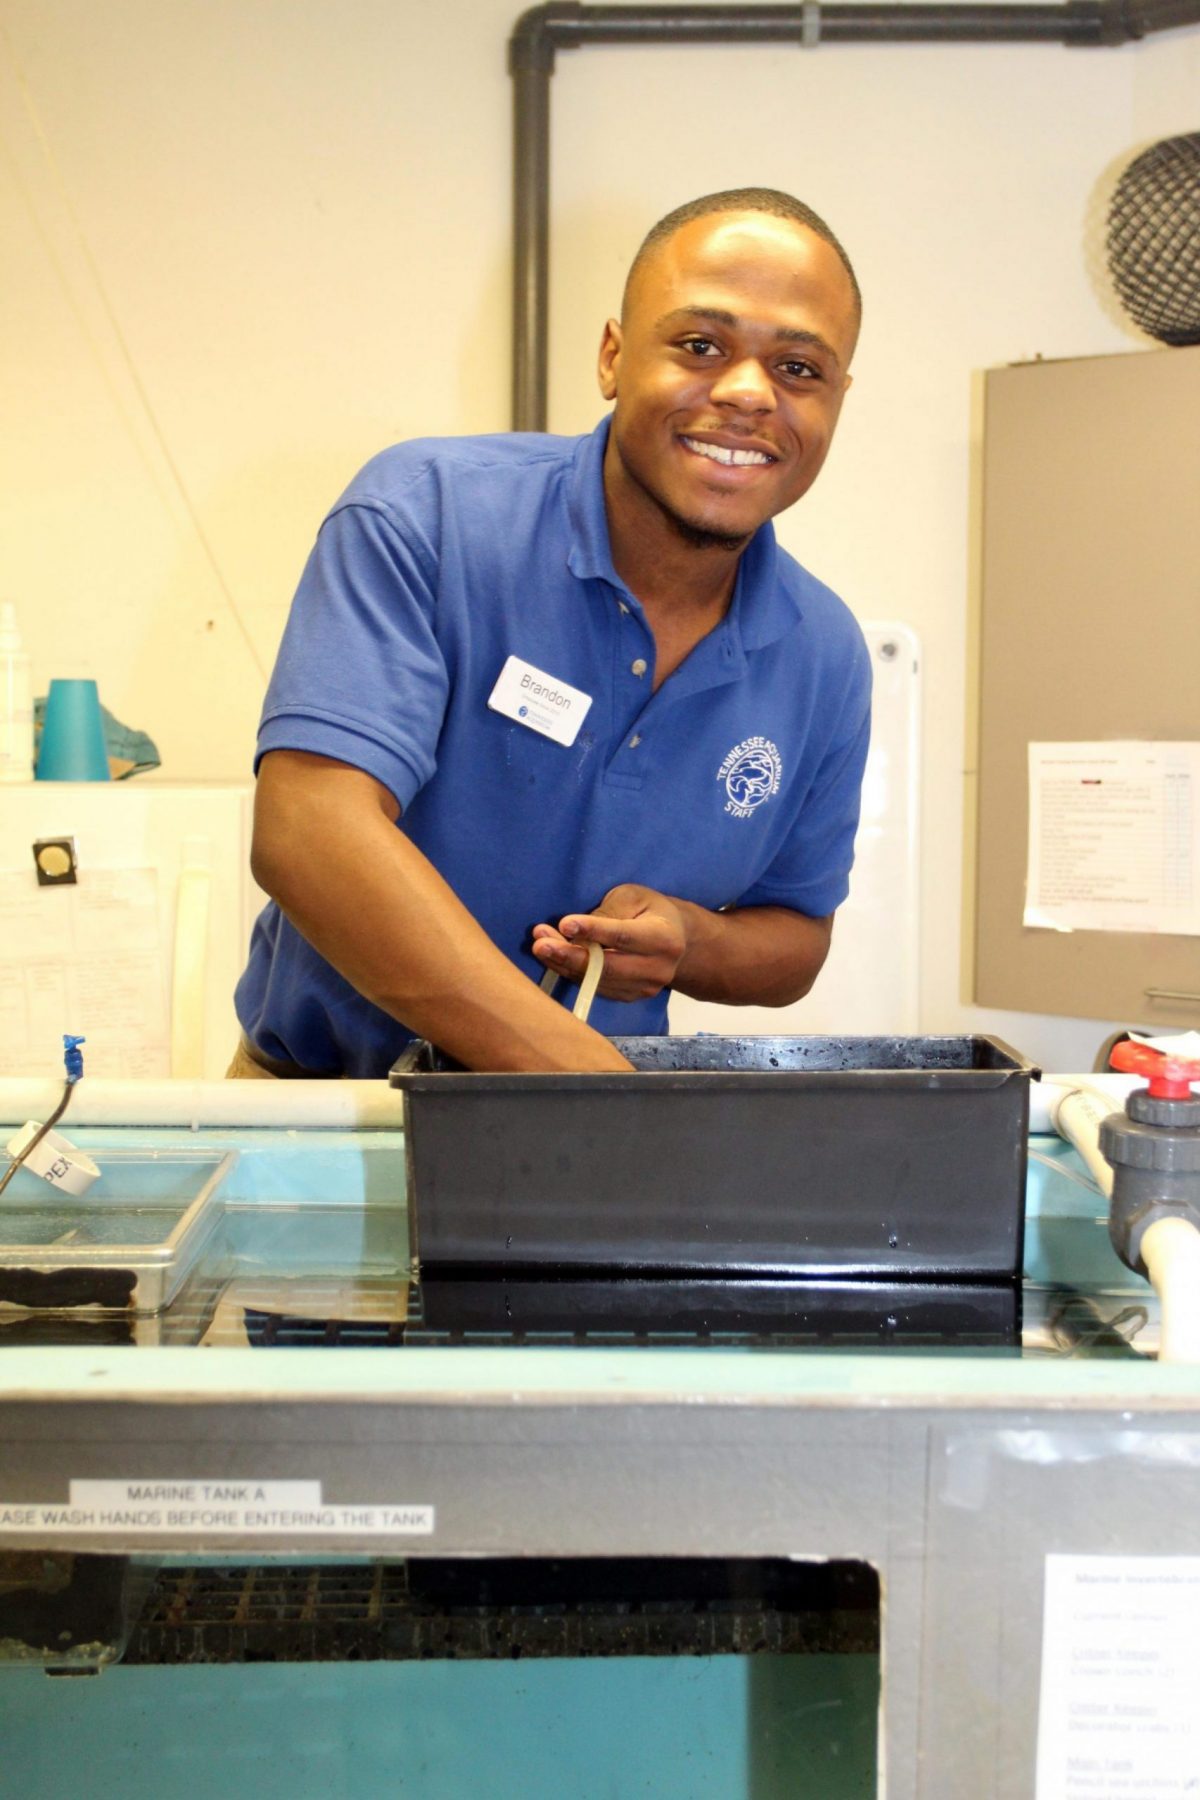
x: 246, y: 245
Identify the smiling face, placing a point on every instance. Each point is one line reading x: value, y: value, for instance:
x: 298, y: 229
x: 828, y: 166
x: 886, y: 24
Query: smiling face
x: 728, y: 369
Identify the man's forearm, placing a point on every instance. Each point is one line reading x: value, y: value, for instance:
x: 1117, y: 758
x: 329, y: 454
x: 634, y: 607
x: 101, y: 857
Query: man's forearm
x: 326, y: 848
x: 758, y: 956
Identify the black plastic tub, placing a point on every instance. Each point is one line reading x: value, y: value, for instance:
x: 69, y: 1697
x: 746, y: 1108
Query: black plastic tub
x: 889, y: 1158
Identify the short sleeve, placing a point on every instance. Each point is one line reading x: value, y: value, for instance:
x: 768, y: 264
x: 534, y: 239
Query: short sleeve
x: 360, y: 675
x: 811, y: 874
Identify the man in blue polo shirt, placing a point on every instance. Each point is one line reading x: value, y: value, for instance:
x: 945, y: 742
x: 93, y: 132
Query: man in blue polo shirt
x: 538, y: 693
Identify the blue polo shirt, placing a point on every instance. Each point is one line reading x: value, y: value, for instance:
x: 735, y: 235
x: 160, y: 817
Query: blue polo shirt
x: 738, y: 781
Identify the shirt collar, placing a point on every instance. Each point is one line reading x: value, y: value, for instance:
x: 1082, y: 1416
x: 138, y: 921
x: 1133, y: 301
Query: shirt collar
x: 763, y: 608
x: 590, y: 556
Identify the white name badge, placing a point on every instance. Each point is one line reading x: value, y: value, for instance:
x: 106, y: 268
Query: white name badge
x: 538, y: 700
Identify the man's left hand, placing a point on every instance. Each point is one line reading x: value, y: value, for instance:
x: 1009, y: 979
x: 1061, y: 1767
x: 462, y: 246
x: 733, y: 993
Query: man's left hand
x: 643, y: 935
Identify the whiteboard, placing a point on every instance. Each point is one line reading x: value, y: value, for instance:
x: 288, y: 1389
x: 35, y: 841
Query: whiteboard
x: 869, y: 984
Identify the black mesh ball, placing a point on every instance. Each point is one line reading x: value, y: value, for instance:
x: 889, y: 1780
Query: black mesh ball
x: 1154, y: 240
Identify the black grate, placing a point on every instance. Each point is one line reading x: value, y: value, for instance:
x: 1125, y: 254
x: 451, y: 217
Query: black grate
x: 584, y: 1312
x: 283, y: 1331
x: 435, y: 1608
x: 278, y: 1331
x: 612, y: 1314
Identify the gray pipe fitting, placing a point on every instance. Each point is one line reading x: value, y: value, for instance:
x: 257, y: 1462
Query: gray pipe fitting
x: 1154, y: 1149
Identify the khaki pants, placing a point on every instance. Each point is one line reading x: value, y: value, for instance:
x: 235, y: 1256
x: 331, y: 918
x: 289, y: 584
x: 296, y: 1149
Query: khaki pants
x: 250, y: 1064
x: 244, y: 1067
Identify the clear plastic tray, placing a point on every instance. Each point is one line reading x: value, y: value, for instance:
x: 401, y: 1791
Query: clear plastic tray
x: 126, y: 1245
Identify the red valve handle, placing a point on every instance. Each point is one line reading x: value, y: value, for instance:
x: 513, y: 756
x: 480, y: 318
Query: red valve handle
x: 1171, y: 1077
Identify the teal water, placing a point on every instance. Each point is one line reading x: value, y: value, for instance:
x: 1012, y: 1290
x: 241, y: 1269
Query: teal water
x: 606, y: 1728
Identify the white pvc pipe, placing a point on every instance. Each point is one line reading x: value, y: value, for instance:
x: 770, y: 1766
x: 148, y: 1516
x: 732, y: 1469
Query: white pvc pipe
x: 1171, y: 1253
x: 1046, y: 1094
x: 337, y: 1105
x: 1077, y: 1114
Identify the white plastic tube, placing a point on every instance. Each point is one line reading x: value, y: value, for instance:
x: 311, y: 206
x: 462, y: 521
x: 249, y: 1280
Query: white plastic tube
x: 337, y: 1105
x: 587, y: 987
x: 1171, y: 1253
x: 1077, y: 1114
x: 1046, y: 1095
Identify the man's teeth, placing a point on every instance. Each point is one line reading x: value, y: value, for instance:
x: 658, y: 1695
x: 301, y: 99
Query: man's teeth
x: 719, y: 453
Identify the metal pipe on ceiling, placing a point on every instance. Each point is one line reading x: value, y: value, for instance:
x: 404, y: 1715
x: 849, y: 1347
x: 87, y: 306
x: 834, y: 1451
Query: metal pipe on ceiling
x: 562, y: 25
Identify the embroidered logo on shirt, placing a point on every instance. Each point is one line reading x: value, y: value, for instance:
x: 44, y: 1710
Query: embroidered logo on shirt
x: 751, y: 773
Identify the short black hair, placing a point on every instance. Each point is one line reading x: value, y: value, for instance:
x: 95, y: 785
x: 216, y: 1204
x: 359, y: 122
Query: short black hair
x: 749, y: 199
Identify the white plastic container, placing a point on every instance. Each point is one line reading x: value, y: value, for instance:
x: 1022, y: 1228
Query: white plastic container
x: 16, y: 701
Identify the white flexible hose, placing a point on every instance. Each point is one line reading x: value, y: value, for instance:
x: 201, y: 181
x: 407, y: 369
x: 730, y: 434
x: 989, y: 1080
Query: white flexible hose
x: 1171, y: 1253
x: 587, y: 987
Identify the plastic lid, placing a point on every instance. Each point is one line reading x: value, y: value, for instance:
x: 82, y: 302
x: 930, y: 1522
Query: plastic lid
x: 10, y: 631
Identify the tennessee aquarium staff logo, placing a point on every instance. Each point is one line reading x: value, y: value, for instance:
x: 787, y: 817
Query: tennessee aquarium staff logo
x: 751, y: 773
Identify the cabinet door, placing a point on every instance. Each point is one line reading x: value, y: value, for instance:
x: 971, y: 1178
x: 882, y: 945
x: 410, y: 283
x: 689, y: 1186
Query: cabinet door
x: 1090, y: 630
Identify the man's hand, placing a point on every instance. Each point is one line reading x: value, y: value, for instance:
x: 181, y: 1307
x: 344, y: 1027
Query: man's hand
x: 752, y: 956
x: 643, y: 935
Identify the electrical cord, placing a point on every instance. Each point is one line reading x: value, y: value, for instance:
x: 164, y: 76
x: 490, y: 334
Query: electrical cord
x: 33, y: 1143
x: 73, y: 1058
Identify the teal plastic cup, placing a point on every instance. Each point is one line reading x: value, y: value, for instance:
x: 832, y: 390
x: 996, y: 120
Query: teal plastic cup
x: 72, y: 746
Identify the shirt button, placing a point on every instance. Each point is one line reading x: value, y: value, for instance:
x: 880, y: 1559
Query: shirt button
x: 635, y: 740
x: 622, y: 606
x: 638, y: 667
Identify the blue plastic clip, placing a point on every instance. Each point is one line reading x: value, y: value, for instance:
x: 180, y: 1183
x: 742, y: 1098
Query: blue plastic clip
x: 73, y: 1056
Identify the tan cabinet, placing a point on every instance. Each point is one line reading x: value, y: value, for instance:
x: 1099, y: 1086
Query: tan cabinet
x: 1090, y: 629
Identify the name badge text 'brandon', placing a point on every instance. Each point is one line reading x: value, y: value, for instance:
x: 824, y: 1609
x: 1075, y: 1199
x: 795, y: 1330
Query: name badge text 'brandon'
x: 751, y: 773
x: 553, y: 695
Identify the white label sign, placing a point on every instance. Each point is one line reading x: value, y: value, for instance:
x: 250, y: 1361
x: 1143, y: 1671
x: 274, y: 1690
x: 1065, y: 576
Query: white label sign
x: 540, y: 701
x: 1114, y: 837
x: 1120, y: 1673
x: 239, y: 1508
